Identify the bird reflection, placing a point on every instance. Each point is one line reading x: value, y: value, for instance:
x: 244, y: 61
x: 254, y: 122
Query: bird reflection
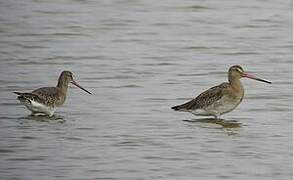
x: 45, y: 118
x: 231, y: 127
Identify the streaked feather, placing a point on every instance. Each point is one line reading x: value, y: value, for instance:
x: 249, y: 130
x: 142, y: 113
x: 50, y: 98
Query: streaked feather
x: 35, y: 103
x: 50, y: 95
x: 205, y: 99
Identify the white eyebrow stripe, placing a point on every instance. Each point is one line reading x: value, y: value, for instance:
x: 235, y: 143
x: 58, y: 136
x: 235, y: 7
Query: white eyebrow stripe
x: 240, y: 70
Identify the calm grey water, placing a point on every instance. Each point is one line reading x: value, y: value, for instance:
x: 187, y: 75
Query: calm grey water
x: 139, y: 58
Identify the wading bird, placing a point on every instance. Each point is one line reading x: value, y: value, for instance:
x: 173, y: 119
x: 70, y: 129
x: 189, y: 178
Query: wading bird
x: 43, y: 101
x: 220, y: 99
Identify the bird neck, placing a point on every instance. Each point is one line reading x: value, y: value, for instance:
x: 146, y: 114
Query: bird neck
x: 63, y: 84
x: 236, y: 84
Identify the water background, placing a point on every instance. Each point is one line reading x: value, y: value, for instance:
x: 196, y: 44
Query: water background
x: 139, y: 58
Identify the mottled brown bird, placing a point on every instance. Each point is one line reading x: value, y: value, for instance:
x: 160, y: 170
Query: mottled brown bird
x: 220, y: 99
x: 43, y: 101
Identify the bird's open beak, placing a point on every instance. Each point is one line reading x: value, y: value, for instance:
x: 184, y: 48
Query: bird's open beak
x: 255, y: 78
x: 75, y: 83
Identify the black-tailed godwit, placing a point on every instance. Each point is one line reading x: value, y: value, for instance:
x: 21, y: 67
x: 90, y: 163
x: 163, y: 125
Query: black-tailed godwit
x: 220, y: 99
x: 43, y: 101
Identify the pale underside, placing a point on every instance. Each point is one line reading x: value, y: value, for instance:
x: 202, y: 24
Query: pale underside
x: 37, y: 108
x: 219, y: 107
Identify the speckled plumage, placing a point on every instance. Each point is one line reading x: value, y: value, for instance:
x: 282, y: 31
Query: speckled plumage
x: 51, y: 96
x: 219, y: 99
x: 45, y: 100
x: 205, y: 99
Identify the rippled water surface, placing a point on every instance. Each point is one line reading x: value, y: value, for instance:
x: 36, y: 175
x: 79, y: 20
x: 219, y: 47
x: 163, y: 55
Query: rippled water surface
x: 139, y: 58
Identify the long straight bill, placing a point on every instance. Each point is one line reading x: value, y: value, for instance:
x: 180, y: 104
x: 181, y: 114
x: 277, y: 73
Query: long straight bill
x: 255, y: 78
x: 75, y: 83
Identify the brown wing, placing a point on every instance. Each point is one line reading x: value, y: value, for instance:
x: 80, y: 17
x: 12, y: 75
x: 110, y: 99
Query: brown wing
x: 204, y: 99
x: 29, y: 97
x: 50, y: 95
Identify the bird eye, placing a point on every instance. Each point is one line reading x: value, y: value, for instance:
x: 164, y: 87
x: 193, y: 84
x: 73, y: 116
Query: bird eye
x: 239, y: 70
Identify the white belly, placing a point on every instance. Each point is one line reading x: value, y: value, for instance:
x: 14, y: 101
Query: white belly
x: 37, y: 108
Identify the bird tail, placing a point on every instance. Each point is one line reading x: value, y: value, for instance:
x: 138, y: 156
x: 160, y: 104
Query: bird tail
x: 18, y: 93
x: 179, y: 108
x: 176, y: 108
x: 188, y: 106
x: 29, y: 97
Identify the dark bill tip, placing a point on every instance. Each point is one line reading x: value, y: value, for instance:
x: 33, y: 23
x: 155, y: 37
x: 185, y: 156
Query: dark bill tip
x: 79, y: 86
